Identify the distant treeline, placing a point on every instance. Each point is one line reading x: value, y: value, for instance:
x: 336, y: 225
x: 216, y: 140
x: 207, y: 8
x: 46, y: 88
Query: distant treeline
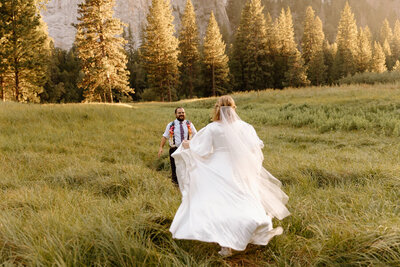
x: 105, y: 65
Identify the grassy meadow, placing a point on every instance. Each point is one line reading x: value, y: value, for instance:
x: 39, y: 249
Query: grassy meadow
x: 81, y: 185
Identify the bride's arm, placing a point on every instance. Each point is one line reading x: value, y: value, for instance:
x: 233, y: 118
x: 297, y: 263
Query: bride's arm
x: 201, y: 144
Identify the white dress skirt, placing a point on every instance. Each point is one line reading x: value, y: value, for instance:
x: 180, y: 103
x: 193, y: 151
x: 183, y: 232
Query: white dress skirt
x: 219, y: 204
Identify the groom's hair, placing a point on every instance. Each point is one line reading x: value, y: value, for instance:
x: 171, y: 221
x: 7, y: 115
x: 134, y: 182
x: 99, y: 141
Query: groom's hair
x: 177, y: 109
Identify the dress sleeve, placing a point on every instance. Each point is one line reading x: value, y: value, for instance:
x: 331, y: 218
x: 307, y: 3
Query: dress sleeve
x: 201, y: 144
x: 194, y: 131
x: 186, y: 159
x: 257, y: 139
x: 249, y: 134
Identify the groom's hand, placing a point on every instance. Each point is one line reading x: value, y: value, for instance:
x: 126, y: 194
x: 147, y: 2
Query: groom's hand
x: 160, y: 151
x: 185, y: 144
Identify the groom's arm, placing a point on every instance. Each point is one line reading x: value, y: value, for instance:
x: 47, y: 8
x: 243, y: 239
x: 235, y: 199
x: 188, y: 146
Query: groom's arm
x: 163, y: 140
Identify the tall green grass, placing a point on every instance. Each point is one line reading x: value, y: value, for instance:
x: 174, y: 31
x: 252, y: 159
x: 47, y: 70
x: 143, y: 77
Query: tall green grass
x: 82, y: 185
x: 372, y: 78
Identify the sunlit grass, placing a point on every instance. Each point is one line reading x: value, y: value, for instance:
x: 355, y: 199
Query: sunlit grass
x: 82, y: 184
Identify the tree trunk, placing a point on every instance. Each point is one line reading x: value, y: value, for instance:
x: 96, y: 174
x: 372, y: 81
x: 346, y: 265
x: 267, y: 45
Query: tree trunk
x: 110, y: 90
x: 111, y: 95
x: 15, y: 58
x: 169, y: 93
x: 162, y: 92
x: 3, y: 97
x: 243, y: 83
x: 213, y: 80
x: 16, y: 73
x: 191, y: 81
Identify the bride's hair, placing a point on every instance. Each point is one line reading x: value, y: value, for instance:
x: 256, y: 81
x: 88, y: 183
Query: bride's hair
x: 223, y: 101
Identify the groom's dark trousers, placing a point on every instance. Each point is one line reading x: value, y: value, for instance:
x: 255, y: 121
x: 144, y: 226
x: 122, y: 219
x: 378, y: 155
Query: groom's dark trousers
x: 173, y: 167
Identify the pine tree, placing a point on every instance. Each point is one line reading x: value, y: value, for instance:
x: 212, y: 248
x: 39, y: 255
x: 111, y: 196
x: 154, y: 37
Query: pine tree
x: 100, y: 49
x: 396, y: 41
x: 378, y: 60
x: 386, y: 33
x: 256, y: 64
x: 312, y: 48
x: 396, y: 66
x: 215, y: 59
x: 330, y: 51
x: 189, y: 49
x: 137, y: 73
x: 364, y: 50
x: 24, y: 50
x: 273, y: 51
x: 291, y: 65
x: 250, y: 49
x: 388, y: 54
x: 160, y: 51
x: 239, y: 47
x: 313, y: 38
x: 386, y: 40
x: 346, y: 40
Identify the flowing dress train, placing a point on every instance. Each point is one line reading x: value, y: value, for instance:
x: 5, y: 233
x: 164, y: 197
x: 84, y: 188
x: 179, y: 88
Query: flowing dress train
x: 221, y: 201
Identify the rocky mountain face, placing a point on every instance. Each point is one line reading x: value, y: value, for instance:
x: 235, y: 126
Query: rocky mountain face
x: 61, y: 14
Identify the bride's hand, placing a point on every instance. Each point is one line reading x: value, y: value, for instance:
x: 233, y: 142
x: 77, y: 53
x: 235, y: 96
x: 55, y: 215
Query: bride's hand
x: 185, y: 144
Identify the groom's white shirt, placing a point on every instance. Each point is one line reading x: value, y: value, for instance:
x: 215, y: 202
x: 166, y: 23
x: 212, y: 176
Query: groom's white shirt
x: 177, y: 132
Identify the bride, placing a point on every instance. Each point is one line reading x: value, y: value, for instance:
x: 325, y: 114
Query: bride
x: 227, y: 196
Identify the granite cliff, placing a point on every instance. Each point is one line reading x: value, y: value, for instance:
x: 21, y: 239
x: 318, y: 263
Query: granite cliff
x: 61, y: 14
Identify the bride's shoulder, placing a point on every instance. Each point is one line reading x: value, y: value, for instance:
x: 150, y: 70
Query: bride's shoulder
x: 208, y: 127
x: 213, y: 125
x: 243, y: 123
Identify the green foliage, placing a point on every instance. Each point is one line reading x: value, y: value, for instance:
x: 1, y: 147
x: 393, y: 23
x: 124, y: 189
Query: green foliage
x: 215, y: 60
x: 89, y: 190
x: 135, y: 65
x: 160, y: 51
x: 24, y: 51
x: 100, y: 50
x: 64, y: 74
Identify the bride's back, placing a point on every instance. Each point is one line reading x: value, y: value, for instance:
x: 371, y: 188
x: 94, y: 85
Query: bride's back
x: 218, y: 131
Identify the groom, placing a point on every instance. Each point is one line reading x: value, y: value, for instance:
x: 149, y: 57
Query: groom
x: 176, y: 132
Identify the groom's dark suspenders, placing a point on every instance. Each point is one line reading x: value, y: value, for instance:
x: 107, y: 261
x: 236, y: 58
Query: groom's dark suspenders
x: 171, y: 127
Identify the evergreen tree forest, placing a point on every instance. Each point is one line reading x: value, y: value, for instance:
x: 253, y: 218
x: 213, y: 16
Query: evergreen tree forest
x: 269, y: 48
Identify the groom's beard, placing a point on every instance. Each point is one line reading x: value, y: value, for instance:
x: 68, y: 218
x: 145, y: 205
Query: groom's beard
x: 181, y: 118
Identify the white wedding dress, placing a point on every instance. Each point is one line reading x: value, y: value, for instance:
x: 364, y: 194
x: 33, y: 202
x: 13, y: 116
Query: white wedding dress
x: 227, y: 196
